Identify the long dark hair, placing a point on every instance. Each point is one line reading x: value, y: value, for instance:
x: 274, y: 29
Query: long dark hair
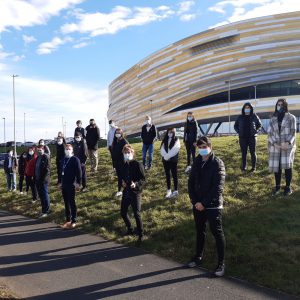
x: 115, y: 138
x: 285, y: 106
x: 166, y: 137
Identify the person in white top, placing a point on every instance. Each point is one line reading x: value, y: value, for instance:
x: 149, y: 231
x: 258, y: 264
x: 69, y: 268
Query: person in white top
x: 110, y: 137
x: 169, y: 150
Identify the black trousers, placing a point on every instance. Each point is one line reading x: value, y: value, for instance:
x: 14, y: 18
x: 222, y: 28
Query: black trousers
x: 59, y: 170
x: 110, y: 150
x: 171, y: 167
x: 68, y: 192
x: 133, y: 200
x: 21, y: 180
x: 30, y: 183
x: 214, y: 218
x: 288, y: 177
x: 190, y: 150
x: 119, y: 166
x: 83, y: 178
x: 245, y: 143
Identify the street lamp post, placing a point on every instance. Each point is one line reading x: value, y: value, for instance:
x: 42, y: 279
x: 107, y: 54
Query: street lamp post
x: 24, y: 129
x: 14, y: 100
x: 151, y: 108
x: 255, y: 96
x: 4, y: 134
x: 105, y: 128
x: 228, y: 82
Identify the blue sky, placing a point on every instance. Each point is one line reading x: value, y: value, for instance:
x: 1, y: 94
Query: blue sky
x: 66, y: 52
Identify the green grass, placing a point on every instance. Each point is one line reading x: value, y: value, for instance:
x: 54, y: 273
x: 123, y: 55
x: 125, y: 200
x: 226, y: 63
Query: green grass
x: 262, y: 232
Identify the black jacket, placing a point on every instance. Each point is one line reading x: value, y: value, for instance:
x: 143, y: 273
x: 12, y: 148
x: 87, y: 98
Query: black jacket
x: 148, y: 136
x: 81, y: 130
x: 117, y: 147
x: 71, y: 171
x: 22, y: 164
x: 80, y: 150
x: 60, y: 152
x: 45, y: 168
x: 206, y: 182
x: 133, y: 172
x: 13, y: 169
x: 240, y: 125
x: 190, y: 131
x: 92, y: 137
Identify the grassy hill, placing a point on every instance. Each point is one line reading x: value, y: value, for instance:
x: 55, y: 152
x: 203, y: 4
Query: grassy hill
x: 262, y: 232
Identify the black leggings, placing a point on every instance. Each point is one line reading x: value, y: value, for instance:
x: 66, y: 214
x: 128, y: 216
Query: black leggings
x: 190, y: 150
x: 119, y: 166
x: 171, y: 167
x: 288, y: 177
x: 244, y: 144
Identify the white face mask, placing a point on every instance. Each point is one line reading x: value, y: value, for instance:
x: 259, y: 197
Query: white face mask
x: 78, y: 139
x: 204, y: 152
x: 79, y: 125
x: 118, y: 135
x: 190, y: 118
x: 112, y: 125
x: 30, y: 152
x: 10, y: 154
x: 147, y: 122
x: 59, y: 142
x: 128, y: 156
x: 170, y: 135
x: 42, y: 143
x: 68, y: 152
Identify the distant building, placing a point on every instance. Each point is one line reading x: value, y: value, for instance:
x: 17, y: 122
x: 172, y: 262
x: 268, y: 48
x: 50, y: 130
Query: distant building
x: 213, y: 74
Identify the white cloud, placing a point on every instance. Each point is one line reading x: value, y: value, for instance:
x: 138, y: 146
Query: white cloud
x: 28, y: 39
x: 80, y: 45
x: 18, y: 57
x: 185, y: 6
x: 49, y: 47
x: 20, y: 13
x: 119, y: 18
x: 45, y: 102
x: 247, y: 9
x: 187, y: 17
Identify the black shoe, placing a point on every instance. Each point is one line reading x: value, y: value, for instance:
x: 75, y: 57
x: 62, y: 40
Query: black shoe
x: 243, y: 169
x: 276, y: 191
x: 287, y: 191
x: 195, y: 262
x: 140, y: 239
x: 253, y: 170
x: 129, y: 231
x: 220, y: 270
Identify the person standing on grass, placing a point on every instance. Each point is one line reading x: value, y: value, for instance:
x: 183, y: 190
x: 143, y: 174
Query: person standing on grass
x: 282, y: 145
x: 10, y: 169
x: 133, y: 178
x: 92, y: 138
x: 29, y: 172
x: 118, y: 159
x: 247, y: 126
x: 81, y: 152
x: 148, y: 136
x: 205, y: 187
x: 45, y: 147
x: 80, y: 129
x: 69, y: 184
x: 21, y: 170
x: 60, y: 155
x: 42, y: 179
x: 110, y: 137
x: 169, y: 150
x: 191, y: 131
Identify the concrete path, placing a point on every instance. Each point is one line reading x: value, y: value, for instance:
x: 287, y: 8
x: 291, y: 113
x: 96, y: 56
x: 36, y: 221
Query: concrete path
x: 41, y: 261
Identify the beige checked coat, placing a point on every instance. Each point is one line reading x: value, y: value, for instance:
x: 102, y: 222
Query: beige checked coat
x: 287, y: 134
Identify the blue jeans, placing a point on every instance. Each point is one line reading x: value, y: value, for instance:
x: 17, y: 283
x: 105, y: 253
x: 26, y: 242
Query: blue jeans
x: 148, y: 148
x: 42, y: 189
x: 11, y: 179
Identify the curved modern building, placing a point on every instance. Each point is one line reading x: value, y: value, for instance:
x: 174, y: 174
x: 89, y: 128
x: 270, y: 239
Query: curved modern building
x: 212, y: 74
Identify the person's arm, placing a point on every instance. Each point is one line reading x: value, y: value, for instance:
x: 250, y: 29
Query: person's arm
x: 237, y: 125
x: 258, y: 123
x: 291, y: 137
x: 271, y: 133
x: 98, y: 134
x: 78, y: 171
x: 163, y: 151
x: 85, y: 152
x: 191, y: 184
x: 142, y: 134
x: 174, y: 151
x: 139, y: 184
x: 217, y: 186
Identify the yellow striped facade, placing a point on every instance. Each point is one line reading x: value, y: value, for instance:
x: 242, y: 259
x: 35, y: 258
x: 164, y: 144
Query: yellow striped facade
x: 246, y: 53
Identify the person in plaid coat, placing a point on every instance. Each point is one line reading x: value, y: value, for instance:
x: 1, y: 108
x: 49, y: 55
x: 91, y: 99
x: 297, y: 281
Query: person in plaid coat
x: 282, y: 145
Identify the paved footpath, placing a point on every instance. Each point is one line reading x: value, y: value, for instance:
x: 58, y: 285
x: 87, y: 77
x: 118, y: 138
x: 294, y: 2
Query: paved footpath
x: 41, y: 261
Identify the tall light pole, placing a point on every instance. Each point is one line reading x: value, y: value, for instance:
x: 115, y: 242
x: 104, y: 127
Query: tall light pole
x: 4, y: 134
x: 151, y: 108
x: 24, y: 129
x: 255, y: 96
x: 228, y: 82
x: 105, y: 128
x: 14, y: 100
x: 62, y: 124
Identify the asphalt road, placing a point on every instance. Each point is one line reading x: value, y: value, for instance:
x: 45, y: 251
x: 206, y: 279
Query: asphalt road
x: 41, y: 261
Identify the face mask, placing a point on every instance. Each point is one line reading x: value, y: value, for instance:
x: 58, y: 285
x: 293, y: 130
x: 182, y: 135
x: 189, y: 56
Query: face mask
x: 10, y: 154
x: 170, y: 135
x: 68, y: 152
x: 118, y: 135
x: 279, y: 108
x: 190, y: 118
x: 78, y: 139
x: 40, y: 152
x: 42, y: 143
x: 59, y: 142
x: 204, y: 152
x: 24, y: 156
x: 247, y: 110
x: 128, y: 156
x: 112, y: 125
x: 30, y: 152
x: 79, y: 125
x: 147, y: 122
x: 92, y: 123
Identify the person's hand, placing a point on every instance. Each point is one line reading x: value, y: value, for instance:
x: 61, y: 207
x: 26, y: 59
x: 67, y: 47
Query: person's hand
x: 277, y: 146
x: 82, y: 164
x: 124, y: 184
x: 195, y: 144
x: 284, y: 146
x: 199, y: 206
x: 77, y: 187
x: 133, y: 185
x: 59, y: 186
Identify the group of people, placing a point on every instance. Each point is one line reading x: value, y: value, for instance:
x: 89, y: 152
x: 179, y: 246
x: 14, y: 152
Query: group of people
x: 206, y: 171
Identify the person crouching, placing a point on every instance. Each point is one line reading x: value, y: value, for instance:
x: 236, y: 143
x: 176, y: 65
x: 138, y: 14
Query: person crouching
x: 69, y: 183
x: 133, y: 178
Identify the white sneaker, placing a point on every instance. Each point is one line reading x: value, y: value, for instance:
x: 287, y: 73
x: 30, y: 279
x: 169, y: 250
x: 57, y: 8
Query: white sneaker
x: 21, y: 193
x: 188, y: 169
x: 14, y: 190
x: 169, y: 194
x: 119, y: 194
x: 175, y: 194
